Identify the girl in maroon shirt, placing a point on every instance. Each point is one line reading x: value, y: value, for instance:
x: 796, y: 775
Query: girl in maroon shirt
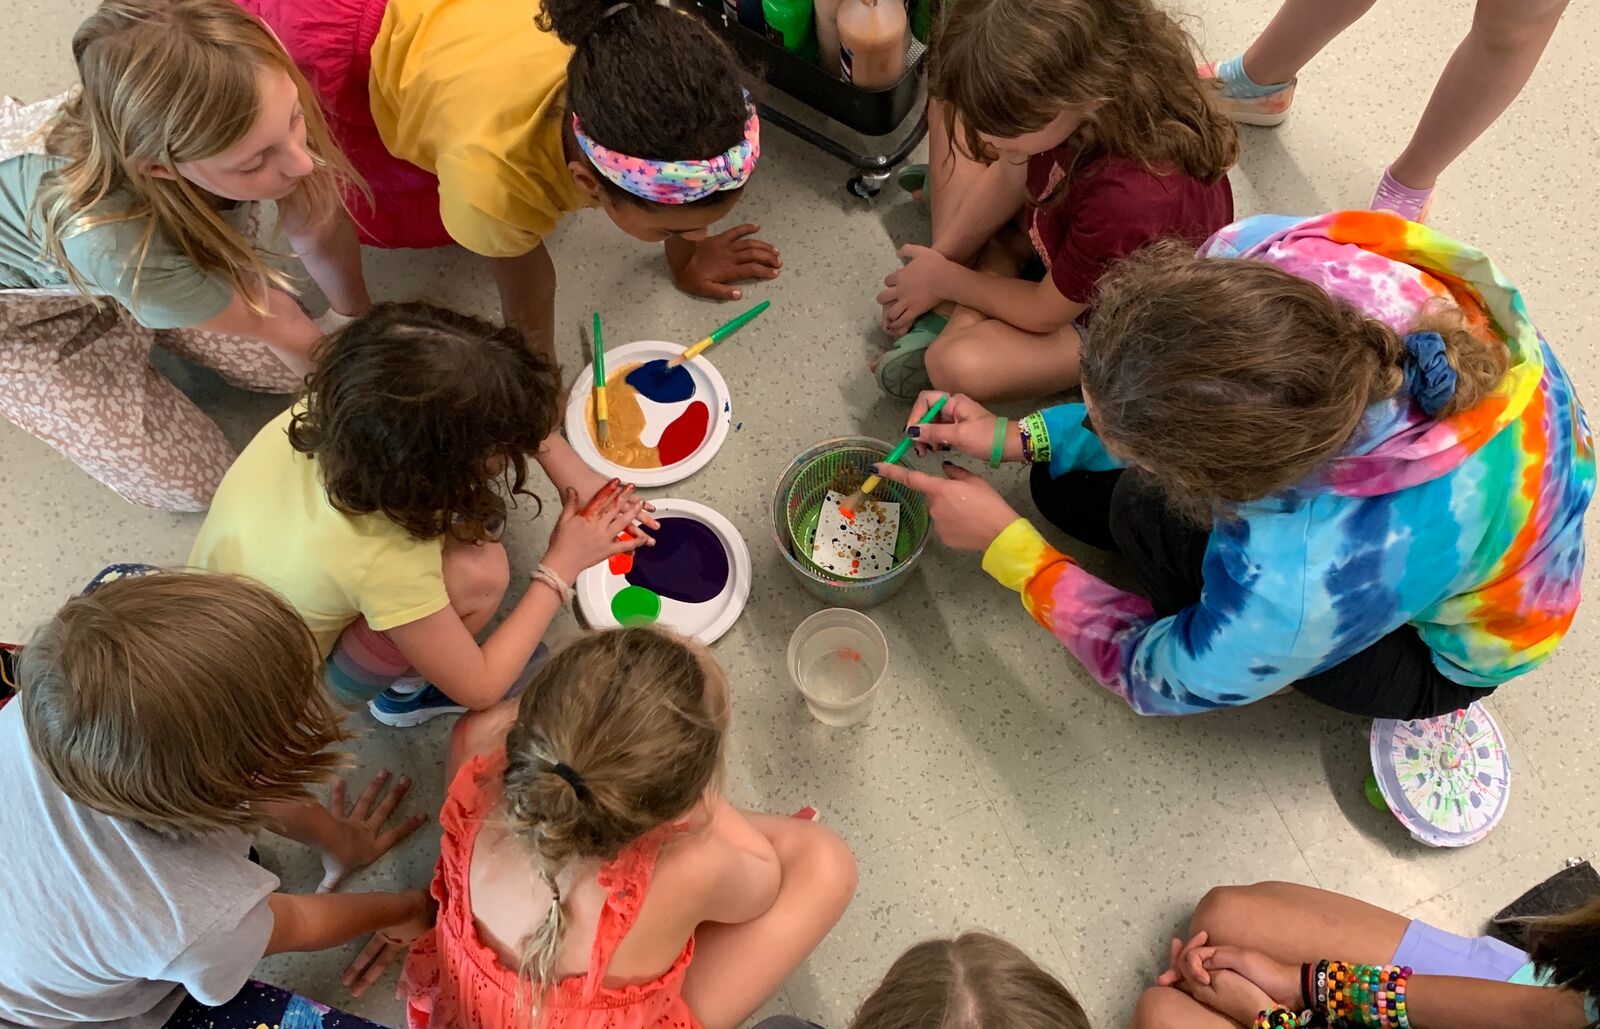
x: 1065, y: 134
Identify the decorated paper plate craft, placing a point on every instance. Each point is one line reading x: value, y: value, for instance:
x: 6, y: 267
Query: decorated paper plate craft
x: 664, y: 423
x: 695, y: 580
x: 1447, y: 779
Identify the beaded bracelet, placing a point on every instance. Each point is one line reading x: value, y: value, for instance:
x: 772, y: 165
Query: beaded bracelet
x: 1035, y: 439
x: 997, y: 456
x: 1366, y: 996
x: 1277, y: 1018
x: 554, y: 581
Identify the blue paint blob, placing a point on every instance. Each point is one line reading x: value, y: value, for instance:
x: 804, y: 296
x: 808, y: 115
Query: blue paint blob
x: 688, y: 564
x: 664, y: 385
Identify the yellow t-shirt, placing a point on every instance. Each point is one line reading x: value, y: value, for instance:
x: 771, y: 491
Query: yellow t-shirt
x: 473, y: 92
x: 271, y: 520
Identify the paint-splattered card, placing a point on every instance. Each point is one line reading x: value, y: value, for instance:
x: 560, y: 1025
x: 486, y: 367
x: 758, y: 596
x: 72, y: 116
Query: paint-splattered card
x: 858, y: 545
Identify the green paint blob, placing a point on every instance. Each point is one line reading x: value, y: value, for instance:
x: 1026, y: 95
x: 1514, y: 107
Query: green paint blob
x: 635, y: 605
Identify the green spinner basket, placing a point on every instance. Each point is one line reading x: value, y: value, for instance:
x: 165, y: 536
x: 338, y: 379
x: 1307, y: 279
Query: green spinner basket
x: 797, y: 507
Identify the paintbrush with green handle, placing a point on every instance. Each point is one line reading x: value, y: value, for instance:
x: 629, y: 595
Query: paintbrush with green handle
x: 718, y: 335
x: 856, y: 499
x: 602, y: 428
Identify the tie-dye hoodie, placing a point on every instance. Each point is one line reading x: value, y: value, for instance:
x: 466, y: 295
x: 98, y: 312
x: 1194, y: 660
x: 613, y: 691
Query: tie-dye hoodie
x: 1469, y: 528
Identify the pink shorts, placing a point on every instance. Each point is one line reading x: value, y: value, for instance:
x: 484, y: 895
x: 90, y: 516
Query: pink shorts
x: 331, y: 42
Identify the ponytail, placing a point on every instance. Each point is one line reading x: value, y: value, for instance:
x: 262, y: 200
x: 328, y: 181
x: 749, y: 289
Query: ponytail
x: 619, y: 734
x: 1231, y: 380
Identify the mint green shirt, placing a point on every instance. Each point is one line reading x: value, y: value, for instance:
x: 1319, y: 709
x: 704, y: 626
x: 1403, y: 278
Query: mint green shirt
x: 1528, y: 975
x: 172, y: 292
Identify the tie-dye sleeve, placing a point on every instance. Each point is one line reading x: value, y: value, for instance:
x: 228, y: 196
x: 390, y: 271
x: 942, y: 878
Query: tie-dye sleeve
x: 1202, y: 658
x: 1073, y: 448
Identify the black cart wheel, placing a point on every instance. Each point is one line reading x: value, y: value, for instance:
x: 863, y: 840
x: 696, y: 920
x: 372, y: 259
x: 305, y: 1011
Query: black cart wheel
x: 867, y: 185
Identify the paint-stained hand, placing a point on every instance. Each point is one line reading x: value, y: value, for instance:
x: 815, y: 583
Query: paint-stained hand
x: 915, y: 289
x: 967, y: 512
x: 360, y: 836
x: 606, y: 526
x: 388, y: 944
x: 718, y: 261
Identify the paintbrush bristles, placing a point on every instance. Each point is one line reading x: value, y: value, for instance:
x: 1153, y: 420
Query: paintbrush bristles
x: 853, y: 502
x: 602, y: 431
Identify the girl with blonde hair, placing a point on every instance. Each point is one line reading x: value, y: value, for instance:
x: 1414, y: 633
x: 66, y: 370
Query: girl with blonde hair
x: 591, y: 873
x: 140, y: 188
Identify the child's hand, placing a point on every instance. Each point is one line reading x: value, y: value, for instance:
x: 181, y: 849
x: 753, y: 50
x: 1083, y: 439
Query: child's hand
x: 359, y: 836
x: 388, y: 944
x: 606, y: 526
x: 716, y: 261
x: 915, y: 289
x: 963, y: 425
x: 967, y: 512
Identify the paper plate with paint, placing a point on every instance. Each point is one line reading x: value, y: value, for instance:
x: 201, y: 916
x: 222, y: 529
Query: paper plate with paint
x: 1447, y: 779
x: 694, y: 580
x: 665, y: 423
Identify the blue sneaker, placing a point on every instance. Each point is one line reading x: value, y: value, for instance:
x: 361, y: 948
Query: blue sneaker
x: 403, y: 710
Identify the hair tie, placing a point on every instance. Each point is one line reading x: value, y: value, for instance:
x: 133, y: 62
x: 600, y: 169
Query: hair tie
x: 572, y: 778
x: 677, y: 182
x: 1428, y: 376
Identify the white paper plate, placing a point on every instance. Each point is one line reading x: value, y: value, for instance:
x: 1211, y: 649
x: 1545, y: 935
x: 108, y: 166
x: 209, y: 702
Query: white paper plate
x: 709, y: 386
x: 705, y: 621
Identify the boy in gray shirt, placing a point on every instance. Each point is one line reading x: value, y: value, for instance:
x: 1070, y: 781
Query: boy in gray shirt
x: 159, y: 719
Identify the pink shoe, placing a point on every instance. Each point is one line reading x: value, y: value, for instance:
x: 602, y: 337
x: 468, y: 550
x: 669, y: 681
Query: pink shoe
x: 1408, y: 203
x: 1265, y: 111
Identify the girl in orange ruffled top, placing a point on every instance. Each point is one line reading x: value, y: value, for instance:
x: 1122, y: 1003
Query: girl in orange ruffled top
x: 591, y: 873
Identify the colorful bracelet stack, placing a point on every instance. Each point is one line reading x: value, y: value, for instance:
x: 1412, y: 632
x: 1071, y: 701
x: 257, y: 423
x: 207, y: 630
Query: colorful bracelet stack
x: 1035, y: 439
x: 1277, y: 1018
x: 1364, y: 996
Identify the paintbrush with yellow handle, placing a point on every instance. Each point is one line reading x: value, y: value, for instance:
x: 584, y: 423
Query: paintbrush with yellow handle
x: 859, y: 497
x: 720, y: 334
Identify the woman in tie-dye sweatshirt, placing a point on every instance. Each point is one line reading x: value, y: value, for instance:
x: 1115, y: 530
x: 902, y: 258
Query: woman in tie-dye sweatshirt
x: 1391, y: 518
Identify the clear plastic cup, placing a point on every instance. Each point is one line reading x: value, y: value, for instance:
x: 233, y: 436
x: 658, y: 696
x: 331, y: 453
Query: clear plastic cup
x: 837, y: 658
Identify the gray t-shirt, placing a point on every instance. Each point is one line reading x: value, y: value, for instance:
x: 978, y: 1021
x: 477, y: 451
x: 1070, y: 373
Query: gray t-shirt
x: 172, y: 293
x: 107, y: 923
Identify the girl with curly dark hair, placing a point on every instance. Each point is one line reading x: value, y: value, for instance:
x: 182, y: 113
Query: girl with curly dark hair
x: 375, y: 506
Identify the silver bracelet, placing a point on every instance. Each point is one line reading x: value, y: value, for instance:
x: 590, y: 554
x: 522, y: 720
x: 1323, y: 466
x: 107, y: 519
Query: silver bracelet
x: 551, y: 579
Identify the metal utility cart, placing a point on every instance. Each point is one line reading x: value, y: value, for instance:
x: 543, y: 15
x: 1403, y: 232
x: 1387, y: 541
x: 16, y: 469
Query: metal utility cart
x: 889, y: 123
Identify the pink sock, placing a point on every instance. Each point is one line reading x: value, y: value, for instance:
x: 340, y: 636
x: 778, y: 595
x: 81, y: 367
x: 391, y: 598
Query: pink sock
x: 1408, y: 203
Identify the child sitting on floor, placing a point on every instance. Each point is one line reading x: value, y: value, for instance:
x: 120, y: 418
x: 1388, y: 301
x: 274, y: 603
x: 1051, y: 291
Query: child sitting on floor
x: 375, y: 506
x: 159, y: 719
x: 591, y: 874
x: 1087, y: 118
x: 974, y: 981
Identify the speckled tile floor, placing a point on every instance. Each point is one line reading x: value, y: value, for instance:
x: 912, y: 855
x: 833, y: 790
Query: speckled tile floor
x: 995, y: 786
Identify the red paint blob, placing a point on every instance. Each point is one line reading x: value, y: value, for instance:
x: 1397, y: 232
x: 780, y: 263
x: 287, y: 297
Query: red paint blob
x: 621, y: 564
x: 849, y: 515
x: 684, y: 436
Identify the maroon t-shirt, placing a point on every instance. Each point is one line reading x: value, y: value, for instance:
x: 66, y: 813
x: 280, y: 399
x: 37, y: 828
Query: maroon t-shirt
x: 1114, y: 206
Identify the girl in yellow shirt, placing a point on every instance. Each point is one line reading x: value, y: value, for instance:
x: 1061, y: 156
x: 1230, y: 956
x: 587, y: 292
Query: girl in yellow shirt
x: 475, y: 122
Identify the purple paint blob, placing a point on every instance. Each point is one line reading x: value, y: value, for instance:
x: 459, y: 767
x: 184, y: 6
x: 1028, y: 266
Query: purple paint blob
x: 688, y: 564
x: 664, y: 385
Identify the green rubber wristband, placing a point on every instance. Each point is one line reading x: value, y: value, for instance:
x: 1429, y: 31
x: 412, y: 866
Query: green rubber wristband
x: 998, y: 455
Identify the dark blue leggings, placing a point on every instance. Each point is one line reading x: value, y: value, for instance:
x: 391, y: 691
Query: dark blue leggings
x: 259, y: 1004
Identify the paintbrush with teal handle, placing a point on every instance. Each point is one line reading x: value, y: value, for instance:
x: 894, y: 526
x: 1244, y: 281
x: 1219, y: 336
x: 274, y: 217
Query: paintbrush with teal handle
x: 855, y: 499
x: 602, y: 428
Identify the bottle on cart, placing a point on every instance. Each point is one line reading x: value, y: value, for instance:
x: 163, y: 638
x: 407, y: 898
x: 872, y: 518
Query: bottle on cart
x: 872, y: 42
x: 746, y: 13
x: 789, y: 24
x: 828, y: 35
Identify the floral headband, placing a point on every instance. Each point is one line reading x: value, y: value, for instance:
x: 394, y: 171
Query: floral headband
x: 678, y: 182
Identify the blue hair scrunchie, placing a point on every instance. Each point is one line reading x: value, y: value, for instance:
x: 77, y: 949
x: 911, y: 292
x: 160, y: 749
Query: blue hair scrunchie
x: 1428, y: 376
